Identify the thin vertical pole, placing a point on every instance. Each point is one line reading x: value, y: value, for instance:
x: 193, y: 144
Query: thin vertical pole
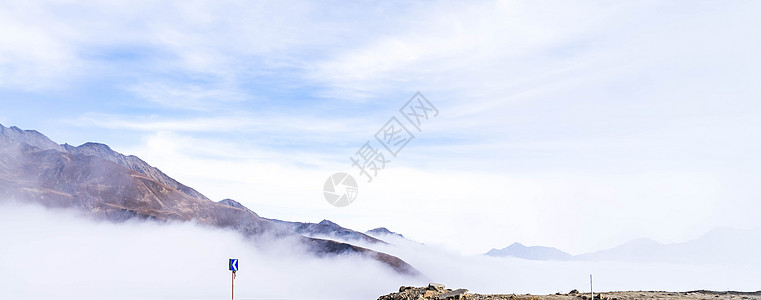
x: 233, y: 285
x: 591, y: 291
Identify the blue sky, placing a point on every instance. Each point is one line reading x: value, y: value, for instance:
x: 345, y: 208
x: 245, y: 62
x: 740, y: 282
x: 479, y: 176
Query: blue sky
x: 556, y: 118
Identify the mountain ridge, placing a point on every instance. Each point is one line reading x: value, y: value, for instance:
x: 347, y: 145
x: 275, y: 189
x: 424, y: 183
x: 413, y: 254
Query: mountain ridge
x: 381, y: 231
x: 108, y: 185
x: 328, y: 229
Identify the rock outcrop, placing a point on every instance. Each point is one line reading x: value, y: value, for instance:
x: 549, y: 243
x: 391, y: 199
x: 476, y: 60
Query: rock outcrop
x: 433, y: 291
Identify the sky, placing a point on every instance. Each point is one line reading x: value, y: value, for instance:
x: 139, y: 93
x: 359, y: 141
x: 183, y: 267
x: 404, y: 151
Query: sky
x: 579, y: 125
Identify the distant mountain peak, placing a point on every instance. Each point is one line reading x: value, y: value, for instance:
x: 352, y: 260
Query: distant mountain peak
x: 382, y: 231
x: 90, y: 148
x: 95, y: 145
x: 328, y: 223
x: 530, y: 252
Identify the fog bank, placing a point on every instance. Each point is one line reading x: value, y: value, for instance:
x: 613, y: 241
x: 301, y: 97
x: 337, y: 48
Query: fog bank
x: 56, y: 254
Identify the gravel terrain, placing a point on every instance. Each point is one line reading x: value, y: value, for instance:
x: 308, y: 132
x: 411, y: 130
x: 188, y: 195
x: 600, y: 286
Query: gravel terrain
x: 439, y: 292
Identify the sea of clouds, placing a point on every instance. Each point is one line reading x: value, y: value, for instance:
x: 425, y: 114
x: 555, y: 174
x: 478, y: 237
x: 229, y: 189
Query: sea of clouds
x: 60, y: 254
x: 57, y: 254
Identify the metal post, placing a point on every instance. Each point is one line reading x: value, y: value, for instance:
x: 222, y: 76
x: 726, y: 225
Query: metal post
x: 233, y: 285
x: 591, y: 291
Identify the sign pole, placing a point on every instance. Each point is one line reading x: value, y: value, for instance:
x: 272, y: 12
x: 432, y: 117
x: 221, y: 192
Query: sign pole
x: 233, y: 266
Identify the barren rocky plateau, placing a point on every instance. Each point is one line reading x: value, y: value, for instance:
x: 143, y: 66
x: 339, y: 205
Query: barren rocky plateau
x: 436, y: 291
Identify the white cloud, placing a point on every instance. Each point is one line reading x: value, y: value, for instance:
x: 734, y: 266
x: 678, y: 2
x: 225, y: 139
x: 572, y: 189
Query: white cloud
x: 230, y: 44
x: 270, y: 129
x: 33, y: 56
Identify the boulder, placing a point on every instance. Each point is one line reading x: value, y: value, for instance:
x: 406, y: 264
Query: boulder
x: 453, y: 295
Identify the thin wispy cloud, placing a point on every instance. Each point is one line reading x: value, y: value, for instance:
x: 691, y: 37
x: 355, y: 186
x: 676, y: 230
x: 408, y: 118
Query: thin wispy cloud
x: 187, y: 96
x: 296, y: 128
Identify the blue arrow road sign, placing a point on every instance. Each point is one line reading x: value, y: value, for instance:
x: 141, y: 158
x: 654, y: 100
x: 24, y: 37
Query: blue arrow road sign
x: 233, y: 264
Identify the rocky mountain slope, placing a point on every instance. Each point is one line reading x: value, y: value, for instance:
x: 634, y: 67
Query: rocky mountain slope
x: 109, y: 185
x: 133, y: 163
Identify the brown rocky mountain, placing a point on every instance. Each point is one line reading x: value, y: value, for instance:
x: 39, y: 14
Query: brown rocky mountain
x: 133, y: 163
x: 106, y: 184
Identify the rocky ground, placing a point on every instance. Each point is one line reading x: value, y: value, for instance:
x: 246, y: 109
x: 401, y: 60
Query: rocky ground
x: 439, y: 292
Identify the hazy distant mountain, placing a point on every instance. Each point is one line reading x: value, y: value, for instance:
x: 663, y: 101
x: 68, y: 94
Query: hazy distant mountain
x: 641, y: 250
x: 531, y: 252
x: 106, y: 184
x: 719, y: 246
x: 724, y: 245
